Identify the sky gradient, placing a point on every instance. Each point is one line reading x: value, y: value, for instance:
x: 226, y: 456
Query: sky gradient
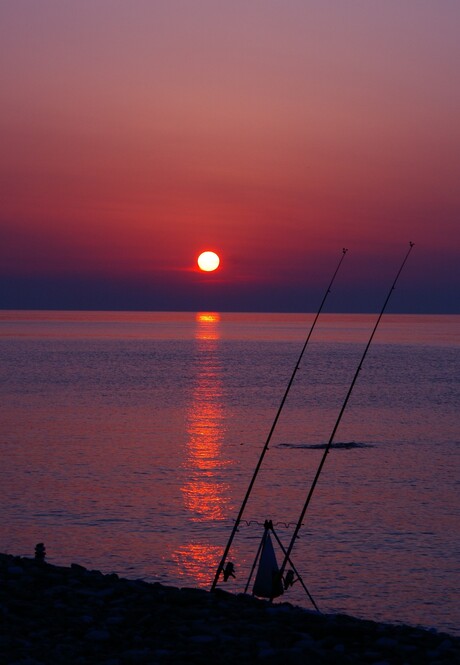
x: 137, y: 134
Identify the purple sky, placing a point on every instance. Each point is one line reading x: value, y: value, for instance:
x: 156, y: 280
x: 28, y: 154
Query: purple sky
x: 137, y: 134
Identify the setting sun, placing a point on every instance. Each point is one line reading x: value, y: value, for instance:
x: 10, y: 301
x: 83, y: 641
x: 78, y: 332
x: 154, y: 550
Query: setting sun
x: 208, y: 261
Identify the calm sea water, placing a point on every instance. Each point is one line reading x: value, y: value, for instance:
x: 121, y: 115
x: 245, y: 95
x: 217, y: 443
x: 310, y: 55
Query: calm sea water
x: 128, y: 441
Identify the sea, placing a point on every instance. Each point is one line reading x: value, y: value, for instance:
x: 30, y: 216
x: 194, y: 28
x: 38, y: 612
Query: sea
x: 129, y: 440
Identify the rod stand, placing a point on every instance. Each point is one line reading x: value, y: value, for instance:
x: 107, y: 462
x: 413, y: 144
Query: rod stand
x: 287, y: 580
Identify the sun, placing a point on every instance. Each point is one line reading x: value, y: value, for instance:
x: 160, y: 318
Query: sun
x: 208, y: 261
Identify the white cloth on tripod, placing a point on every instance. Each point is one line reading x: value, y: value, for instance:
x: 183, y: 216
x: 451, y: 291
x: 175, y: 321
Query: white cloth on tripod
x: 267, y: 583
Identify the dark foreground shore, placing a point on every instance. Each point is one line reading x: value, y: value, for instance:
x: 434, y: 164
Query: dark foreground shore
x: 51, y: 614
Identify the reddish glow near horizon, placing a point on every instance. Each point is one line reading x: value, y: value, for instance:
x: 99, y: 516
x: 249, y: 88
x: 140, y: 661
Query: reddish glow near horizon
x: 280, y: 135
x: 208, y: 261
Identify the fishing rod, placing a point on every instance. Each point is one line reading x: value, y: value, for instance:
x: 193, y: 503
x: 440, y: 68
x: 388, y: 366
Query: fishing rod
x: 326, y: 450
x: 220, y: 567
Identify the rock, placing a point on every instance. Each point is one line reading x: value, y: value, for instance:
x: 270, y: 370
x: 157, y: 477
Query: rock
x: 387, y: 642
x: 202, y: 639
x: 51, y: 614
x: 97, y: 635
x: 137, y: 655
x: 266, y: 653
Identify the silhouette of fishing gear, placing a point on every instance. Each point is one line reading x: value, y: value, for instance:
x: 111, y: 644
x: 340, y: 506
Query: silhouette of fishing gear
x: 270, y: 581
x: 221, y: 565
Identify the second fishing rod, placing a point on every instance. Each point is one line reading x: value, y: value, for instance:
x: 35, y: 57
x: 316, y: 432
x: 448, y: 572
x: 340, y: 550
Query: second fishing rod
x: 339, y: 418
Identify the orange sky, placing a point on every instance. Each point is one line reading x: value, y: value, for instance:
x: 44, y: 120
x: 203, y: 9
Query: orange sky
x: 136, y: 134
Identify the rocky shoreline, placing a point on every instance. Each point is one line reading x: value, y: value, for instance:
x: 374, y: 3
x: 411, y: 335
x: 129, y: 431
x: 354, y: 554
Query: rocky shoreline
x: 52, y: 614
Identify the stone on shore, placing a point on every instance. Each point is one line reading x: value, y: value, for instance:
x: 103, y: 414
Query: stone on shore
x: 52, y: 614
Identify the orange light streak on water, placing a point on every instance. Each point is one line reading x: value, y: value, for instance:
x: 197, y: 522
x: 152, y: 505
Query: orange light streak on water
x: 205, y: 496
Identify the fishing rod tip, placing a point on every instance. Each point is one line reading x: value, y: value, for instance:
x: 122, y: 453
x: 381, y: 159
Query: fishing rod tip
x: 411, y: 243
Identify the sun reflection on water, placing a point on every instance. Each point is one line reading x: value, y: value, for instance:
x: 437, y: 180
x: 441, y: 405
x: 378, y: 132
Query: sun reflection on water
x: 205, y: 494
x: 207, y: 327
x: 197, y: 561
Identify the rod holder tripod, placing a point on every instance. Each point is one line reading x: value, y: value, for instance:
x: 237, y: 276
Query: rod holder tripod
x: 278, y: 584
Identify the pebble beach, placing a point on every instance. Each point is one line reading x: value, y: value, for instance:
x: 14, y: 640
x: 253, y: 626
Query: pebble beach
x: 53, y: 614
